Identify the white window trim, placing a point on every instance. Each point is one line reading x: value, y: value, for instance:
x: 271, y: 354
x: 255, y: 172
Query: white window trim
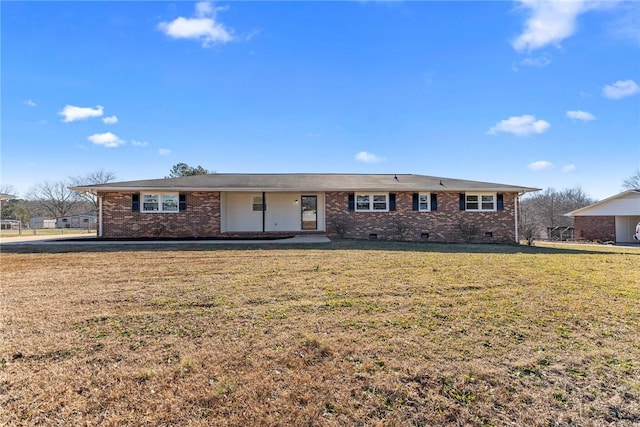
x: 480, y: 209
x: 428, y: 202
x: 371, y: 194
x: 160, y: 196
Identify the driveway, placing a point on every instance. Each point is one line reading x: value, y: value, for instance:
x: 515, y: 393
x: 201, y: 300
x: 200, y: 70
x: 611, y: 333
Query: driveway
x: 30, y: 238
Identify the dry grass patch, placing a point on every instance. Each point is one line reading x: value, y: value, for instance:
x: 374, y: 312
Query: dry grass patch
x: 344, y: 334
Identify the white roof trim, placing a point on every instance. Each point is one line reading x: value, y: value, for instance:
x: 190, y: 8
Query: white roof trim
x: 601, y: 202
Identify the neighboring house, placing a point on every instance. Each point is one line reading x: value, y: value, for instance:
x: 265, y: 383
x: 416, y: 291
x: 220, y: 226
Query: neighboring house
x: 9, y: 224
x: 613, y: 219
x: 77, y: 221
x: 40, y: 222
x: 401, y: 207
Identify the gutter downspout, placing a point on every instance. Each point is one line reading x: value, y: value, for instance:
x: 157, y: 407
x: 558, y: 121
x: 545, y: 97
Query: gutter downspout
x: 264, y: 210
x: 516, y: 212
x: 99, y: 216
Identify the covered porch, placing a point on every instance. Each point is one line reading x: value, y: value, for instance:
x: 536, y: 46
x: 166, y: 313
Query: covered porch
x: 272, y: 212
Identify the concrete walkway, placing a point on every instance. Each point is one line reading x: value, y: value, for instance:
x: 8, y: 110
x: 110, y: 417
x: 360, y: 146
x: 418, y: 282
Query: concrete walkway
x: 84, y: 239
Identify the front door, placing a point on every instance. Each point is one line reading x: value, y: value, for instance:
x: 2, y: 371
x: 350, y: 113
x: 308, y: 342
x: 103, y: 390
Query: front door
x: 309, y: 212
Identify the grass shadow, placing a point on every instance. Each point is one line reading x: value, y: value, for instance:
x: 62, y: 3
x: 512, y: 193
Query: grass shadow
x: 334, y: 245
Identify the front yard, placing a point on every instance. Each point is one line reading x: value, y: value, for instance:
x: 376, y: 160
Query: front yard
x: 348, y: 333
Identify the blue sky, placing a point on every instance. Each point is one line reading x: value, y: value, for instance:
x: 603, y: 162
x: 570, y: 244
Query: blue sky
x: 533, y: 93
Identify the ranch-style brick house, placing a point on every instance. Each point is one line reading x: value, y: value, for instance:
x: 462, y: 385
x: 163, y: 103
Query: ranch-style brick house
x: 362, y: 206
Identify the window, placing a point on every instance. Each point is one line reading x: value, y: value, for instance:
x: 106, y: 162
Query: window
x: 372, y: 202
x: 150, y: 202
x: 481, y: 202
x: 170, y: 202
x: 160, y: 202
x: 488, y: 202
x: 379, y: 202
x: 423, y: 201
x: 363, y: 202
x: 257, y: 203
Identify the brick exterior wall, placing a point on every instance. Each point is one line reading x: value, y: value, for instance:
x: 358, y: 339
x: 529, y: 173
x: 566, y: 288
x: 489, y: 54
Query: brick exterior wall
x: 595, y: 228
x: 447, y: 224
x: 202, y: 219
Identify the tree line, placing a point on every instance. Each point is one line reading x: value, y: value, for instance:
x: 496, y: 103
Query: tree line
x: 547, y: 209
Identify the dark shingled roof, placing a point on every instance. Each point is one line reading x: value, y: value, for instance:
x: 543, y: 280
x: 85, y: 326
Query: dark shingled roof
x: 304, y: 182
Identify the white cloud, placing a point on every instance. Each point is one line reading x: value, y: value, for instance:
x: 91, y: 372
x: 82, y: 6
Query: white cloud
x: 139, y: 143
x: 520, y: 126
x: 540, y: 165
x: 72, y: 113
x: 107, y: 139
x: 29, y: 103
x: 203, y: 27
x: 551, y: 21
x: 110, y: 120
x: 164, y: 151
x: 581, y: 115
x: 539, y: 61
x: 204, y: 8
x: 569, y: 168
x: 365, y: 157
x: 620, y: 89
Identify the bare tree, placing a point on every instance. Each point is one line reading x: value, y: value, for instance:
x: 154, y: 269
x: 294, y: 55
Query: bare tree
x: 54, y: 197
x: 528, y: 228
x: 7, y: 189
x: 633, y: 182
x: 100, y: 176
x: 546, y: 209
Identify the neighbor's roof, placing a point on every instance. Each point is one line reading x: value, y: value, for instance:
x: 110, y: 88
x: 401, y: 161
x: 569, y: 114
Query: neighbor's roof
x: 625, y: 203
x: 4, y: 196
x: 304, y: 182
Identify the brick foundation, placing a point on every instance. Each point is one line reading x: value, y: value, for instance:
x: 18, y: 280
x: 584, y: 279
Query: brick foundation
x: 595, y: 228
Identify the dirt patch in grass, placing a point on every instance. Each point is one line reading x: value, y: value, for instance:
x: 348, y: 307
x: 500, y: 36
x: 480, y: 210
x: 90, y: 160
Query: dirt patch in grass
x: 347, y: 334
